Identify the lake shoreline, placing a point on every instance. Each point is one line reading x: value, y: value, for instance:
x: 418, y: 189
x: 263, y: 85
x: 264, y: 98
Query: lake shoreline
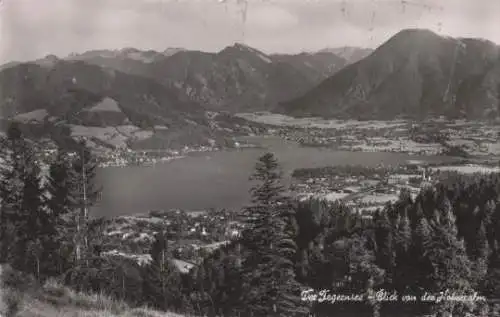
x: 220, y: 179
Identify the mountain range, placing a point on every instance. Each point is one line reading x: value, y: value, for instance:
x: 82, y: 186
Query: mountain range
x: 156, y: 99
x: 89, y: 98
x: 179, y: 96
x: 237, y: 78
x: 416, y: 73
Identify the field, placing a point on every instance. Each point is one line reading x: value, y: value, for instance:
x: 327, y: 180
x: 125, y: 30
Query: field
x: 282, y: 120
x: 114, y: 136
x: 468, y: 169
x: 431, y: 137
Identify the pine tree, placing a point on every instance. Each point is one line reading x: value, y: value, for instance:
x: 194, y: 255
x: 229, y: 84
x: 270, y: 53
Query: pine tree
x: 422, y: 238
x: 11, y: 188
x: 162, y: 281
x: 269, y: 190
x: 447, y: 253
x: 363, y: 272
x: 404, y: 236
x: 403, y: 255
x: 159, y: 249
x: 38, y: 227
x: 87, y: 193
x: 22, y: 213
x: 233, y: 284
x: 304, y: 264
x: 61, y: 204
x: 61, y: 186
x: 270, y: 287
x: 404, y: 197
x: 488, y: 218
x: 266, y: 196
x: 14, y: 131
x: 491, y: 284
x: 288, y: 289
x: 419, y: 213
x: 386, y: 255
x: 480, y: 257
x: 452, y: 269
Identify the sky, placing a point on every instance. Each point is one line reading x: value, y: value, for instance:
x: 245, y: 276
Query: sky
x: 30, y: 29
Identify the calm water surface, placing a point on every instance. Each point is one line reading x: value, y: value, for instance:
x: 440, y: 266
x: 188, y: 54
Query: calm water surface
x: 218, y: 179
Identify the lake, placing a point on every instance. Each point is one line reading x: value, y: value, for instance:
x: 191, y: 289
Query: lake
x: 217, y: 179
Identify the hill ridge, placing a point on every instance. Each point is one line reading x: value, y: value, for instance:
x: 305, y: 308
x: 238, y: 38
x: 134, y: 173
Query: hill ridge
x: 416, y: 73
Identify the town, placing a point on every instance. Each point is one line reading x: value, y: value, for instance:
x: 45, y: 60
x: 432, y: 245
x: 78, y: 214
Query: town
x: 431, y: 137
x: 191, y: 235
x: 472, y: 147
x: 194, y: 234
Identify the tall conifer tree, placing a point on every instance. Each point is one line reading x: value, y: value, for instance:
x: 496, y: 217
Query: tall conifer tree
x: 22, y: 212
x: 87, y: 193
x: 268, y: 269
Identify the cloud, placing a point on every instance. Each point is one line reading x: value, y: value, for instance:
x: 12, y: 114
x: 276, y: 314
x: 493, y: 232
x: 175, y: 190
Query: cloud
x: 269, y: 17
x: 30, y: 29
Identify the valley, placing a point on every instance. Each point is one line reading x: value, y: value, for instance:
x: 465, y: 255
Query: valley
x: 373, y: 163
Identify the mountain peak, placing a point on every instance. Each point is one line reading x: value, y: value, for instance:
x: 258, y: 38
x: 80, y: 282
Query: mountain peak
x: 408, y: 42
x: 240, y: 49
x: 417, y: 35
x: 415, y: 31
x: 48, y: 61
x: 51, y: 57
x: 172, y: 50
x: 242, y: 46
x: 129, y: 50
x: 415, y: 73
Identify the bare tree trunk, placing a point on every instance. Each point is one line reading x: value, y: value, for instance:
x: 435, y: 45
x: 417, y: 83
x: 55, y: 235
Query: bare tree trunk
x: 38, y: 267
x: 2, y: 234
x: 77, y: 241
x: 81, y: 235
x: 84, y: 207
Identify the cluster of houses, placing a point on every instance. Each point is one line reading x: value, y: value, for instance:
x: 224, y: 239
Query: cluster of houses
x: 126, y: 157
x: 365, y: 193
x: 191, y: 235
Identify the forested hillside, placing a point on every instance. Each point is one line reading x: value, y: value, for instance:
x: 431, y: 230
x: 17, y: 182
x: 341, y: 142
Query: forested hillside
x: 445, y: 240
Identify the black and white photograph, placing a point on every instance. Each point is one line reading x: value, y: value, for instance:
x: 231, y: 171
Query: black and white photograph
x: 249, y: 158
